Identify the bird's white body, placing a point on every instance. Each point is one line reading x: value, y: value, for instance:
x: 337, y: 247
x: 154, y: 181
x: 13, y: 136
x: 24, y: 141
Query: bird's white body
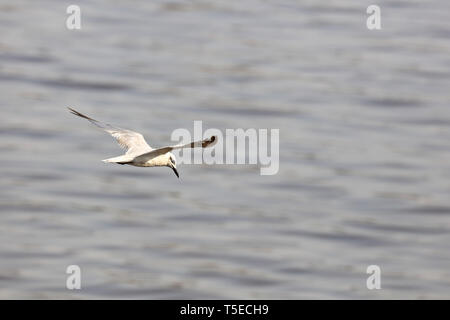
x: 157, y: 161
x: 138, y: 152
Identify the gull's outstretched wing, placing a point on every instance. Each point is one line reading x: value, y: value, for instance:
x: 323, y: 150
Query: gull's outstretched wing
x: 132, y: 142
x: 157, y: 152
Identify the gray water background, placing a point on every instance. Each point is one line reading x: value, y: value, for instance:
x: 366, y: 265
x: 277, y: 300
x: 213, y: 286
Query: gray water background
x: 364, y: 173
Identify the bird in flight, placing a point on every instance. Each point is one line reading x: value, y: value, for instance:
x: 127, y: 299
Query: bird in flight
x: 138, y: 152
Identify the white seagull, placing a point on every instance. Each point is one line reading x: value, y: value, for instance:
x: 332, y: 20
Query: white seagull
x: 138, y: 152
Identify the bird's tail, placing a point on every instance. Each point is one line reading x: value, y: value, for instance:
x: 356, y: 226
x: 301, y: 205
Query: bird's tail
x: 120, y: 160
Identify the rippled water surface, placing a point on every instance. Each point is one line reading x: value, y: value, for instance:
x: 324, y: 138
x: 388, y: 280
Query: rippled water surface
x: 364, y: 174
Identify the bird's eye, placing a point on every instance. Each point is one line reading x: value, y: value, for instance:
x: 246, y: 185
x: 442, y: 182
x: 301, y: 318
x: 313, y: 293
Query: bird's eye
x: 172, y: 160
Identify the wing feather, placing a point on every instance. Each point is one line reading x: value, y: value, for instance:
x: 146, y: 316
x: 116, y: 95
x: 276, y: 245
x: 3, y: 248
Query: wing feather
x: 157, y: 152
x: 132, y: 142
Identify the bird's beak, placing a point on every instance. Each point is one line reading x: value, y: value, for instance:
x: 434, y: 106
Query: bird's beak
x: 176, y: 172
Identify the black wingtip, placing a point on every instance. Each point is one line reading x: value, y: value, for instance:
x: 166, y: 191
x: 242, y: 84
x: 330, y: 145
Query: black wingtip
x: 75, y: 112
x: 209, y: 142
